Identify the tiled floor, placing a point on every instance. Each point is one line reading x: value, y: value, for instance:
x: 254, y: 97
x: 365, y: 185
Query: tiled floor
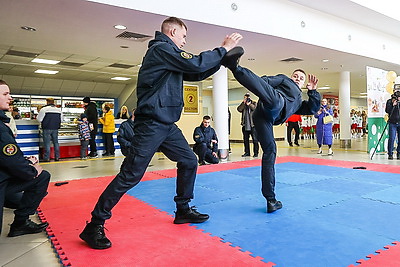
x: 35, y: 250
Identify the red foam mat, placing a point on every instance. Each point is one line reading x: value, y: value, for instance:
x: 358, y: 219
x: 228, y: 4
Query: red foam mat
x: 141, y: 234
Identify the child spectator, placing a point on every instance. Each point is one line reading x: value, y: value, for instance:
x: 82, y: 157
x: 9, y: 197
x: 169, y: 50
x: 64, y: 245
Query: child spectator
x: 84, y: 135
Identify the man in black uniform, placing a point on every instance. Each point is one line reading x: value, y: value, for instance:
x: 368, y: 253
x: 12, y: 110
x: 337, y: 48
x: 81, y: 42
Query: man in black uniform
x: 159, y: 106
x: 279, y: 98
x: 19, y: 174
x: 206, y: 146
x: 93, y: 119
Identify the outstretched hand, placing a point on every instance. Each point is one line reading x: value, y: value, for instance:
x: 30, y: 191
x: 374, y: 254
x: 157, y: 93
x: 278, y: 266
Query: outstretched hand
x: 312, y: 82
x: 231, y: 41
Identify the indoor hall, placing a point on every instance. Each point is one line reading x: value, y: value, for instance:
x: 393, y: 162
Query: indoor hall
x: 37, y: 249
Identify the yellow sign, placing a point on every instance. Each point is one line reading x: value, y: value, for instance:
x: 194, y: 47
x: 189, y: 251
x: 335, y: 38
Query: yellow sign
x: 191, y: 99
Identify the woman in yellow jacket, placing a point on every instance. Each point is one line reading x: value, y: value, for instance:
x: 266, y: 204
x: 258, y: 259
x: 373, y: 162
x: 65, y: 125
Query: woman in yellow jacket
x: 108, y: 130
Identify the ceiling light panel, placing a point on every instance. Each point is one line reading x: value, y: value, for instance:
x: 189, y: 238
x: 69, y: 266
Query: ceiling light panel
x: 45, y: 61
x: 46, y: 71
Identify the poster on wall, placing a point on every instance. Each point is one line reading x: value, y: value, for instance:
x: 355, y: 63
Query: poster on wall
x: 377, y: 96
x: 191, y: 99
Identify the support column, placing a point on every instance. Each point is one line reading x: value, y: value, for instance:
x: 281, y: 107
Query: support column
x: 344, y: 109
x: 220, y: 107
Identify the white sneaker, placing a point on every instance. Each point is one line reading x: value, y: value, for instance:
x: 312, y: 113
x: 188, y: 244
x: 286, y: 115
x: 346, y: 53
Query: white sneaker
x: 320, y: 151
x: 330, y: 152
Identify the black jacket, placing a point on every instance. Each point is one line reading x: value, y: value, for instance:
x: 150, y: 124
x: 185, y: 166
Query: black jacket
x: 13, y: 164
x: 202, y: 134
x: 92, y: 115
x: 125, y: 135
x: 160, y: 80
x: 393, y: 111
x: 291, y: 92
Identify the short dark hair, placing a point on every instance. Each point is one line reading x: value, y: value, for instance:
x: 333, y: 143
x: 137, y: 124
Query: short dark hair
x: 300, y: 71
x: 206, y: 117
x: 2, y: 82
x: 171, y: 21
x: 86, y: 99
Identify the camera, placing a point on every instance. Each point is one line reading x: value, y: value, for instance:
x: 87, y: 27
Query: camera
x: 396, y: 95
x: 248, y: 100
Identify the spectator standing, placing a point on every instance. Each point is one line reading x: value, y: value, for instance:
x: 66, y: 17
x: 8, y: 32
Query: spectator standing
x: 292, y: 123
x: 15, y: 113
x: 247, y: 108
x: 84, y: 135
x: 324, y: 130
x: 12, y: 123
x: 50, y: 118
x: 108, y: 130
x: 93, y: 117
x: 393, y: 109
x: 206, y: 146
x: 125, y: 134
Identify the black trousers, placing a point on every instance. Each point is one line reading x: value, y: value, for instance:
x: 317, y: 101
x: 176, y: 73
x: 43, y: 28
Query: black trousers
x: 92, y: 143
x: 246, y: 140
x: 293, y: 125
x: 269, y: 107
x: 109, y: 143
x: 149, y: 137
x: 33, y: 193
x: 205, y: 153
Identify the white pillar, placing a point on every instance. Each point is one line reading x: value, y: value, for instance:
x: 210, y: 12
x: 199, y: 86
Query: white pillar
x: 220, y: 107
x: 344, y: 109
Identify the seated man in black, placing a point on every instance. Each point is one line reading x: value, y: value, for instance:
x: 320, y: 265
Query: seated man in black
x: 206, y: 146
x: 18, y: 174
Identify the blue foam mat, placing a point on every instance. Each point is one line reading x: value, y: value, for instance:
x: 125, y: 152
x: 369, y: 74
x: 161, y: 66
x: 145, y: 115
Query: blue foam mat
x: 332, y: 216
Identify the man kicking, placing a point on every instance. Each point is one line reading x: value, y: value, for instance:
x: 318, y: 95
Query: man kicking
x: 279, y: 98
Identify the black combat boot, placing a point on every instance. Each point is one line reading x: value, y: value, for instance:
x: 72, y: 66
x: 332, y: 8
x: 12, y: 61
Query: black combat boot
x: 190, y: 216
x: 94, y: 236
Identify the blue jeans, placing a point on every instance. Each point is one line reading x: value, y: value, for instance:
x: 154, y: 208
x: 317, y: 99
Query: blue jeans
x: 50, y: 135
x: 394, y: 129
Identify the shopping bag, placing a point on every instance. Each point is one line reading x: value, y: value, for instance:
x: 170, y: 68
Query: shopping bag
x: 328, y: 119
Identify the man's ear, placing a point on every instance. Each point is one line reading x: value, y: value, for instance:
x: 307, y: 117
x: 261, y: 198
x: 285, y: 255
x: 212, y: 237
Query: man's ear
x: 173, y: 31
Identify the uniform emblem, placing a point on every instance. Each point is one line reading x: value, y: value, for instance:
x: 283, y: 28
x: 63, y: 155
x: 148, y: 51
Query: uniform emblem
x: 10, y: 150
x: 186, y: 55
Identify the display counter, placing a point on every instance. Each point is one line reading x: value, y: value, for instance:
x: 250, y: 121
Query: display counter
x: 30, y: 141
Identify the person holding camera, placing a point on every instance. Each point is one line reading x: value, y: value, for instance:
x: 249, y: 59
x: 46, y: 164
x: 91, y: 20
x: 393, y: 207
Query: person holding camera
x: 247, y: 108
x: 392, y: 108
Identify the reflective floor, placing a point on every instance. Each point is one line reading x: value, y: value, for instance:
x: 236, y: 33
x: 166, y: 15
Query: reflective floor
x: 35, y: 250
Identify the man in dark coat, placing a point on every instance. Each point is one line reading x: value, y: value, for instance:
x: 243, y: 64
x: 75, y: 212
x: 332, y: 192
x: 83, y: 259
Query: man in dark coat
x: 279, y: 98
x: 159, y: 106
x: 93, y: 119
x: 206, y: 146
x: 19, y: 175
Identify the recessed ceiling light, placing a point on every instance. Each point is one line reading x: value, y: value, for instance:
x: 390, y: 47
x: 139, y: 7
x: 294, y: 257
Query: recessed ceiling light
x: 120, y: 27
x: 47, y: 71
x: 324, y: 87
x: 120, y: 78
x: 45, y: 61
x: 325, y: 60
x: 27, y: 28
x: 209, y: 87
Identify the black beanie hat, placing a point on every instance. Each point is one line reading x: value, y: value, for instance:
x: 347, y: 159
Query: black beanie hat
x: 86, y: 99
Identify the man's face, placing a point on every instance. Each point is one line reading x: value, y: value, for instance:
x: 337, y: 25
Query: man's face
x: 179, y: 36
x: 299, y: 78
x: 206, y: 123
x: 5, y: 97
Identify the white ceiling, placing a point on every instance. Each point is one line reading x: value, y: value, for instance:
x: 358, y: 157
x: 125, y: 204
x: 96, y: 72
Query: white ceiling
x: 78, y: 31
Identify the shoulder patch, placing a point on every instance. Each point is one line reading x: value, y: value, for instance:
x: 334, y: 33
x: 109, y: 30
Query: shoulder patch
x: 186, y: 55
x: 10, y: 150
